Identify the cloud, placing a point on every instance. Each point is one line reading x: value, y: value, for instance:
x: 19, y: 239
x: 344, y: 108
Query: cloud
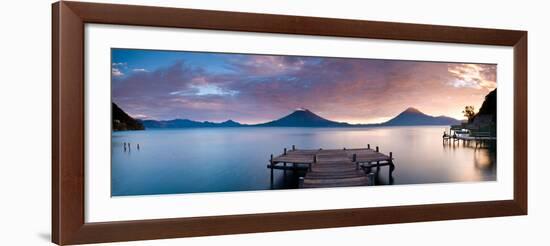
x: 204, y: 90
x: 116, y: 72
x: 120, y: 64
x: 117, y: 68
x: 477, y: 76
x: 140, y: 70
x: 266, y: 65
x: 158, y: 83
x: 140, y: 116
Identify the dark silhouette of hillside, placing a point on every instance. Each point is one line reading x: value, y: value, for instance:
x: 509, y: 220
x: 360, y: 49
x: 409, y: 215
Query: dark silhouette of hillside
x: 489, y: 106
x: 121, y: 121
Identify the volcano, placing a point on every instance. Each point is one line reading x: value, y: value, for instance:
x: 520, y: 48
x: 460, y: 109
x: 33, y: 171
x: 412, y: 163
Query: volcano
x: 414, y: 117
x: 303, y: 118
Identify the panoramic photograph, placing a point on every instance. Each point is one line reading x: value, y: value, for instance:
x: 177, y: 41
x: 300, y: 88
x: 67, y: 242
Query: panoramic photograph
x: 196, y: 122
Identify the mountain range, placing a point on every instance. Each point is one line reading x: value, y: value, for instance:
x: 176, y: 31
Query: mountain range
x: 185, y: 123
x: 306, y: 118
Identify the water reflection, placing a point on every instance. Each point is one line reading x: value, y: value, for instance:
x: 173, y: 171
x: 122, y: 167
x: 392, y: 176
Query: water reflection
x: 214, y: 160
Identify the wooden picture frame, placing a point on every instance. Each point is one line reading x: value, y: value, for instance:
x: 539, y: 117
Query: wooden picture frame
x: 68, y: 223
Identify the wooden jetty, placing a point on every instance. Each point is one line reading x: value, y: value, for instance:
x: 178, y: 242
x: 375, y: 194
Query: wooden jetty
x: 333, y: 167
x: 478, y: 137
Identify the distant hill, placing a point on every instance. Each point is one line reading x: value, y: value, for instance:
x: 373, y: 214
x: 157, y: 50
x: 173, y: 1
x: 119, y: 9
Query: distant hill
x: 184, y: 123
x: 306, y: 118
x: 122, y: 121
x: 303, y: 118
x: 412, y: 117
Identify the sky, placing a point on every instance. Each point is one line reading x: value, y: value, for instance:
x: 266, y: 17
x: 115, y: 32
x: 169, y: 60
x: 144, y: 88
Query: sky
x: 250, y: 88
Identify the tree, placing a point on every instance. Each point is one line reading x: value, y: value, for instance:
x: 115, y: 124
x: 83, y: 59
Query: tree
x: 469, y: 113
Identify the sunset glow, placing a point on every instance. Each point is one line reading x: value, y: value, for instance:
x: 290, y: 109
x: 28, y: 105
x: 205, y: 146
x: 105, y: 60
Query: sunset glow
x: 200, y: 86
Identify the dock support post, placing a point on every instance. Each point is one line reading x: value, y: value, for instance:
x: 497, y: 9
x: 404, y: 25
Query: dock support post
x: 314, y: 161
x: 293, y: 147
x: 371, y: 179
x: 377, y: 149
x: 392, y: 167
x: 271, y: 166
x: 368, y: 146
x: 354, y: 159
x: 284, y: 151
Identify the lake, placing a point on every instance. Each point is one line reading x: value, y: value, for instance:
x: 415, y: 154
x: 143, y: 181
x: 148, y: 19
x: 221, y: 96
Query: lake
x: 173, y: 161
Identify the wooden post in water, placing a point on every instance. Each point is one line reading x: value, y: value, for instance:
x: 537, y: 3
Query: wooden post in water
x: 293, y: 147
x: 377, y: 149
x: 368, y: 146
x: 314, y: 161
x: 284, y: 151
x: 354, y: 159
x: 392, y: 167
x: 371, y: 179
x: 271, y: 166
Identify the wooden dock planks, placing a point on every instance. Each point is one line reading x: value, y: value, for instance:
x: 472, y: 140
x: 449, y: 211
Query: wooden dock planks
x: 333, y: 167
x: 307, y: 156
x: 334, y: 174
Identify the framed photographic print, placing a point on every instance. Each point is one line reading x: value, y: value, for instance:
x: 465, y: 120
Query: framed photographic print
x: 175, y: 122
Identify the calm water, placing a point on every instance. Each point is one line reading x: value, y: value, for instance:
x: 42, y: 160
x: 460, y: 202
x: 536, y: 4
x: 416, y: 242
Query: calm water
x: 235, y: 159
